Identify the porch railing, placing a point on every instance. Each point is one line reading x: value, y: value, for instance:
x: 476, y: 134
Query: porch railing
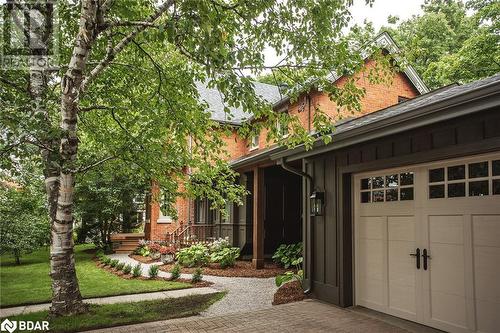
x: 187, y: 234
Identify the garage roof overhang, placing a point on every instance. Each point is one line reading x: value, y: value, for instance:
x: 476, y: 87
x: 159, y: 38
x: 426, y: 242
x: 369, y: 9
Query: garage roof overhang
x: 473, y: 100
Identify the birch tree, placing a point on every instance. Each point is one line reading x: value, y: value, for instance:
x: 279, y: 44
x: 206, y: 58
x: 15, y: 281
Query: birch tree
x: 126, y: 90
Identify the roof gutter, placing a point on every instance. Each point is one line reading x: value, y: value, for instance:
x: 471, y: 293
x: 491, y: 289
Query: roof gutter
x: 473, y: 101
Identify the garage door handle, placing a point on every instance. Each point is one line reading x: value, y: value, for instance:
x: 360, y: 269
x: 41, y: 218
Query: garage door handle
x: 426, y: 257
x: 417, y: 257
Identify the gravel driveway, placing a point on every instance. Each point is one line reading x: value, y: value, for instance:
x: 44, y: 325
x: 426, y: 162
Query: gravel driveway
x: 244, y: 294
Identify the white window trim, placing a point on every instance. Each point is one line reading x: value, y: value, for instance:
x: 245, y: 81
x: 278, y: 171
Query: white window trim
x: 253, y: 145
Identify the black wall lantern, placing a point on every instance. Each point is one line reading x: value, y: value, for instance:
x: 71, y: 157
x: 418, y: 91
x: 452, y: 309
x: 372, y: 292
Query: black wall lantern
x: 317, y: 201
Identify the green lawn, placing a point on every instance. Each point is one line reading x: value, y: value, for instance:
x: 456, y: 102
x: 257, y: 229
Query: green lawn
x: 110, y: 315
x: 29, y: 282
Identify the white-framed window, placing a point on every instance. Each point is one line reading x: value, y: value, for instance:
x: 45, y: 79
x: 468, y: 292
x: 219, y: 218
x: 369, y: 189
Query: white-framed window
x: 163, y: 217
x: 386, y: 188
x: 254, y: 142
x: 475, y: 179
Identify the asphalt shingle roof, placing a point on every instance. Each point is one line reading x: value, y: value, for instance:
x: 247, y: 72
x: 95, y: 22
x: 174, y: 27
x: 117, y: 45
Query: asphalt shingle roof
x: 432, y: 97
x: 214, y: 99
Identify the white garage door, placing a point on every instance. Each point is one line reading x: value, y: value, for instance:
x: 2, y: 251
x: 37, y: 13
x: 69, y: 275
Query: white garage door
x: 427, y: 243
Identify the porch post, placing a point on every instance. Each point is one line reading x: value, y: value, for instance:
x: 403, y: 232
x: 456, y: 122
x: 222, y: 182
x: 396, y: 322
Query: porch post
x: 258, y: 218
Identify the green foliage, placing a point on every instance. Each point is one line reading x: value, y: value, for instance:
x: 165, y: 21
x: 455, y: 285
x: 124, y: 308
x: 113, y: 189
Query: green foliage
x: 193, y: 256
x: 288, y: 255
x: 153, y: 271
x: 226, y: 257
x: 452, y: 41
x: 120, y: 266
x: 105, y: 201
x: 113, y: 263
x: 197, y: 275
x: 24, y: 225
x: 175, y: 272
x: 137, y: 270
x: 106, y: 260
x: 127, y: 269
x: 289, y: 276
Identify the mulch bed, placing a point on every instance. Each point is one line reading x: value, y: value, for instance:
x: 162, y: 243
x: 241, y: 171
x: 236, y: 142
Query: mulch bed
x: 289, y: 292
x: 144, y: 260
x: 240, y: 269
x: 129, y: 276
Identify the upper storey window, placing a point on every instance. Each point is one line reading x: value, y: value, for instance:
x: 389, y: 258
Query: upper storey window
x: 254, y: 143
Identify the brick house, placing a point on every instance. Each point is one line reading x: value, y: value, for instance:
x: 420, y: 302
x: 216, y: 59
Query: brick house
x: 400, y: 213
x: 195, y: 217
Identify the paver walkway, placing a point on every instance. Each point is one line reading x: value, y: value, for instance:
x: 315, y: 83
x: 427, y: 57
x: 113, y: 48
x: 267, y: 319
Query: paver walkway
x: 244, y: 294
x: 305, y: 316
x: 7, y: 312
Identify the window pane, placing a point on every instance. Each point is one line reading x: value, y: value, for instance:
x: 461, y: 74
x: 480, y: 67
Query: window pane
x: 478, y: 188
x: 406, y: 193
x: 496, y: 186
x: 436, y: 175
x: 456, y: 190
x: 391, y: 194
x: 456, y: 172
x: 496, y: 168
x: 406, y: 178
x: 477, y: 170
x: 391, y: 181
x: 436, y: 191
x: 365, y: 184
x: 378, y: 182
x: 378, y: 196
x: 365, y: 196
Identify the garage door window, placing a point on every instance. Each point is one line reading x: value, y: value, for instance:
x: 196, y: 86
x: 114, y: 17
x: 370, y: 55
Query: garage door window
x: 387, y: 188
x: 472, y: 180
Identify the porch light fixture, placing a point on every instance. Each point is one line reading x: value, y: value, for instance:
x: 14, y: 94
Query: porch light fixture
x: 317, y: 201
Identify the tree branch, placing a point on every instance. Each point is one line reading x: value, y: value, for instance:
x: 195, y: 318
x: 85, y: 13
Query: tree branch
x: 122, y: 44
x: 93, y: 165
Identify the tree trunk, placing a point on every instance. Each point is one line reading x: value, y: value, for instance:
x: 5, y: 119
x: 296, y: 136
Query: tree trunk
x: 17, y: 255
x: 66, y: 297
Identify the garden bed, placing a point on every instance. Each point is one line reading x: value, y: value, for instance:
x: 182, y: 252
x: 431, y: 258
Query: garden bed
x: 240, y: 269
x: 288, y: 293
x: 144, y: 260
x: 120, y: 273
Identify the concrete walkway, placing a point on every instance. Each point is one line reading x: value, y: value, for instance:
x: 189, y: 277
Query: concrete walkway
x: 8, y: 312
x: 305, y: 316
x: 243, y: 294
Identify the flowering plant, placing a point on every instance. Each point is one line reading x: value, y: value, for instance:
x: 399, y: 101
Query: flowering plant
x: 219, y: 244
x: 154, y: 247
x: 167, y: 250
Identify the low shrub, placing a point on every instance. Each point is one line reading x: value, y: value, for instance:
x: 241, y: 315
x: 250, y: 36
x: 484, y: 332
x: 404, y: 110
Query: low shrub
x: 106, y: 260
x: 114, y: 262
x: 120, y: 266
x: 175, y: 272
x: 127, y: 269
x: 137, y: 270
x: 289, y: 276
x: 226, y: 257
x: 153, y: 271
x: 195, y: 255
x: 287, y: 255
x: 197, y: 275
